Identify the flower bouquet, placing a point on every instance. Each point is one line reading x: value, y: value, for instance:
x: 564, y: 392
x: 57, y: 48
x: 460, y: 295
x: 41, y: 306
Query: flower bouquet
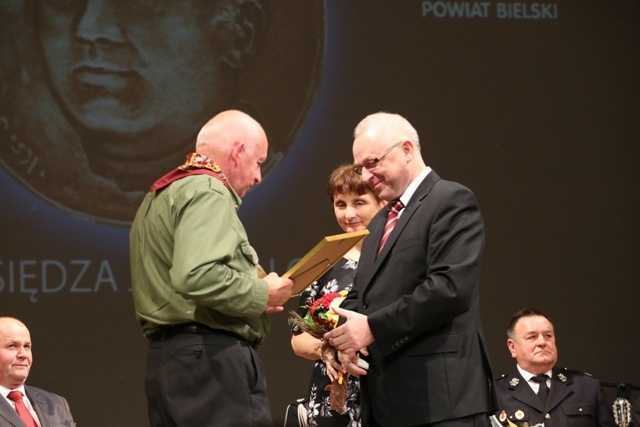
x: 320, y: 319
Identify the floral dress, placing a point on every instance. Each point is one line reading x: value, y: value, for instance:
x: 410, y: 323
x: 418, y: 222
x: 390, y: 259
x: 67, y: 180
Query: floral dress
x: 318, y: 413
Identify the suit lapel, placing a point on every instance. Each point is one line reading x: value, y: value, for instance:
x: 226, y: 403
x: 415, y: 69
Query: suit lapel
x: 370, y: 261
x: 523, y: 392
x: 412, y: 206
x: 38, y: 403
x: 559, y: 390
x: 9, y: 414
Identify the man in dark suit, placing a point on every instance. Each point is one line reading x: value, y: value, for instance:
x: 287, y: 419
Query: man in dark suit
x: 540, y: 393
x: 413, y: 313
x: 23, y: 405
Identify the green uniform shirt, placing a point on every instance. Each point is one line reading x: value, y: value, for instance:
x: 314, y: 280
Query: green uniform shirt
x: 191, y: 261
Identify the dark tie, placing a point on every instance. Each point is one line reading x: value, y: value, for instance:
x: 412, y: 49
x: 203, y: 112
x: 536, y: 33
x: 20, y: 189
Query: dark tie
x: 392, y: 218
x: 22, y: 410
x: 543, y: 390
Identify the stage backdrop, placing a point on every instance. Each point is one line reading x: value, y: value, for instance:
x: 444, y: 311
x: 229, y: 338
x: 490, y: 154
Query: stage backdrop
x: 533, y: 105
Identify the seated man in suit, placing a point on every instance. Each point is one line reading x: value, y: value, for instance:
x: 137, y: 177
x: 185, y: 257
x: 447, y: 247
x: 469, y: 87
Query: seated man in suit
x: 23, y: 405
x: 538, y: 393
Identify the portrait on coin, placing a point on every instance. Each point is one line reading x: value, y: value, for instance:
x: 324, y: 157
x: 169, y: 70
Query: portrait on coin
x: 101, y: 97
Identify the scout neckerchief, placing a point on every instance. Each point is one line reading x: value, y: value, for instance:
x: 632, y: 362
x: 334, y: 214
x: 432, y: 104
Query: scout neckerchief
x: 195, y: 164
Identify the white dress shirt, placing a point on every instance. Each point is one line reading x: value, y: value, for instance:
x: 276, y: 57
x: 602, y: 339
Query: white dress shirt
x: 27, y: 403
x: 534, y: 385
x: 408, y: 193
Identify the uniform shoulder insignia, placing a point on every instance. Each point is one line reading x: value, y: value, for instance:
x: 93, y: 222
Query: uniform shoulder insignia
x: 513, y: 380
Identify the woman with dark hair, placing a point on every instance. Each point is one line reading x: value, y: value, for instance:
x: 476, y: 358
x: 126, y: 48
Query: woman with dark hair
x: 354, y: 204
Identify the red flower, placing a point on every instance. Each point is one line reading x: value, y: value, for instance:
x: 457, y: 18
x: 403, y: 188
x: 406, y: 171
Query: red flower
x: 319, y: 311
x: 323, y: 303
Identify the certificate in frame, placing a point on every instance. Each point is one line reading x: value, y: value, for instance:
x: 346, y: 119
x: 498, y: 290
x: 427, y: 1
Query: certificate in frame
x: 321, y: 258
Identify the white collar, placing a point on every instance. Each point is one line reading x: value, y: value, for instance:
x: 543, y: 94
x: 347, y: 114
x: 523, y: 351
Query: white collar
x: 528, y: 375
x: 411, y: 189
x: 5, y: 393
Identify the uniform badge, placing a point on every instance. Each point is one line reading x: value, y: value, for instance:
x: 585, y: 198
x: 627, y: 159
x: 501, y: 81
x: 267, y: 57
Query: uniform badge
x: 562, y: 377
x: 514, y: 382
x: 519, y: 415
x: 503, y: 416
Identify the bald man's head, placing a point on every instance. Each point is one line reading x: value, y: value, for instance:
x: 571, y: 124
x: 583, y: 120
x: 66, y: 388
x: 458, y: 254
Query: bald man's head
x: 15, y: 352
x: 238, y: 144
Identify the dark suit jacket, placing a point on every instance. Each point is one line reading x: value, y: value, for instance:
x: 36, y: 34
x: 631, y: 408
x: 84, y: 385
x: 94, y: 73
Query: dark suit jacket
x: 575, y: 400
x: 52, y: 410
x: 429, y: 361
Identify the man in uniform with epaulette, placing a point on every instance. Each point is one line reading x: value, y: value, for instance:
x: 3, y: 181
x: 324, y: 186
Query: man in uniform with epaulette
x: 538, y: 393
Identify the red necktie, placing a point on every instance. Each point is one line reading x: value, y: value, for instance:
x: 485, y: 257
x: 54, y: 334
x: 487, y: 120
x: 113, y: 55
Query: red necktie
x: 22, y: 410
x: 392, y: 218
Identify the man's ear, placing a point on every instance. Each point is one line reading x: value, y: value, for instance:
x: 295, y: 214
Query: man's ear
x: 234, y: 155
x: 246, y: 25
x: 512, y: 347
x: 408, y: 149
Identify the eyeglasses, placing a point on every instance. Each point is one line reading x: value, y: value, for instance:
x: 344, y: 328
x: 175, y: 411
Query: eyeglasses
x: 373, y: 163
